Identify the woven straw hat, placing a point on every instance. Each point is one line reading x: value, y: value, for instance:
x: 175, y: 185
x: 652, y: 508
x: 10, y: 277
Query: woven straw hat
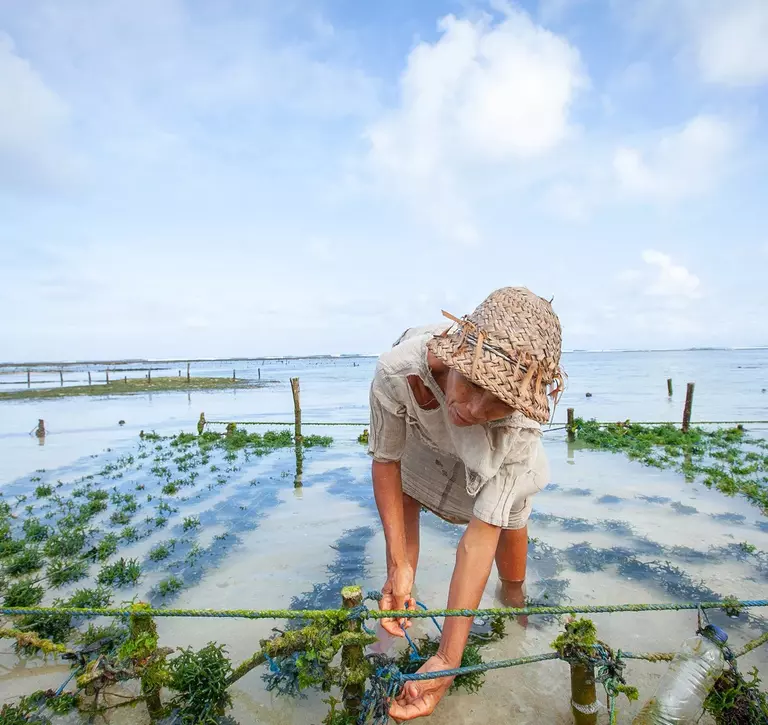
x: 510, y: 345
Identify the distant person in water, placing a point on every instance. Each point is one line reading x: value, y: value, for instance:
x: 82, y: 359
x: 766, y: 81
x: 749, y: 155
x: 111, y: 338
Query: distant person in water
x: 455, y: 428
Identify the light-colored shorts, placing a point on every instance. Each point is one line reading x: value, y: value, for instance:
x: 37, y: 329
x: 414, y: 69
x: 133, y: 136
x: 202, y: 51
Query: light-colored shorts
x: 438, y: 482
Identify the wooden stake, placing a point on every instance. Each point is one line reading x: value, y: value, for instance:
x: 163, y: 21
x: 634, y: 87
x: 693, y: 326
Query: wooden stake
x: 352, y: 656
x: 29, y: 379
x: 143, y: 632
x: 688, y: 407
x: 107, y: 372
x: 570, y: 428
x: 296, y: 408
x: 259, y: 373
x: 233, y: 376
x: 584, y: 703
x: 669, y: 387
x: 61, y: 377
x: 89, y: 377
x: 149, y: 376
x: 187, y: 372
x: 125, y: 380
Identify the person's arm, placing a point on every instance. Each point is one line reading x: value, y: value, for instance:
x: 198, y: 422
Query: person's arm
x: 474, y: 559
x: 386, y: 444
x: 396, y: 592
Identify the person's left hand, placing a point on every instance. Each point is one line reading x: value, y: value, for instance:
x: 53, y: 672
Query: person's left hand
x: 419, y: 699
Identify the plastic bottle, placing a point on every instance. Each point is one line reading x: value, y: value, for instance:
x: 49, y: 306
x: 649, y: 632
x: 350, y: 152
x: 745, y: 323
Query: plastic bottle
x: 679, y: 697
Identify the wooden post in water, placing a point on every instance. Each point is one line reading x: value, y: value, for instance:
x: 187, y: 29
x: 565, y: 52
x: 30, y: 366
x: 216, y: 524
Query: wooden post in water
x: 107, y: 373
x: 584, y: 704
x: 669, y: 387
x: 688, y: 407
x: 29, y: 379
x: 296, y: 408
x: 125, y: 379
x: 570, y: 428
x: 352, y: 656
x: 297, y: 437
x: 149, y: 376
x: 233, y: 376
x: 187, y: 372
x: 89, y: 377
x: 179, y: 373
x: 259, y: 369
x: 61, y: 377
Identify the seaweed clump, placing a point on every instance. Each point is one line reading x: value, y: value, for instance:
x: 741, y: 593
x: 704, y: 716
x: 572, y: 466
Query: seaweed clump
x: 725, y: 458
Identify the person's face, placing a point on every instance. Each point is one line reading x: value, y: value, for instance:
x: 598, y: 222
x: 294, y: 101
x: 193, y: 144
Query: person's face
x: 469, y: 404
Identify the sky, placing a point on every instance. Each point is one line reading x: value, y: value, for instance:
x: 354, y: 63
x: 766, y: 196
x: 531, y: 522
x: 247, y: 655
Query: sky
x: 261, y: 177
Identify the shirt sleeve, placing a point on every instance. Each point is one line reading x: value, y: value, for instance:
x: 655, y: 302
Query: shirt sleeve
x: 506, y: 499
x: 387, y: 433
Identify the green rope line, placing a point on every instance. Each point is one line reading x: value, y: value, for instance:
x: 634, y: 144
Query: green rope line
x: 693, y: 422
x: 577, y: 609
x: 561, y: 426
x: 315, y: 614
x: 752, y: 644
x: 278, y: 422
x: 648, y: 656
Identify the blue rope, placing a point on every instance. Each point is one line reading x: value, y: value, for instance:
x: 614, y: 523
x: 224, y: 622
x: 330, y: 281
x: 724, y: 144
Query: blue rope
x: 483, y: 667
x: 426, y: 609
x: 67, y: 681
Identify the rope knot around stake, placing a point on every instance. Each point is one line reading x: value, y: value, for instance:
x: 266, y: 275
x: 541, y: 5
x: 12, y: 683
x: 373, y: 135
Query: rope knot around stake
x: 359, y: 614
x: 383, y: 685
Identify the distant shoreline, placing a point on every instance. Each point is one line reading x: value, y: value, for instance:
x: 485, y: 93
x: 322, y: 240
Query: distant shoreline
x: 143, y: 363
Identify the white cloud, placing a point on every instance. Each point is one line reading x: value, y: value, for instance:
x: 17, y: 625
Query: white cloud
x: 731, y: 40
x: 724, y: 40
x: 484, y: 94
x: 670, y: 280
x: 680, y: 164
x: 31, y: 118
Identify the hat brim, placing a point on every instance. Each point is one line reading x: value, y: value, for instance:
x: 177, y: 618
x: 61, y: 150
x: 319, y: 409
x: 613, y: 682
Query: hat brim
x: 512, y: 383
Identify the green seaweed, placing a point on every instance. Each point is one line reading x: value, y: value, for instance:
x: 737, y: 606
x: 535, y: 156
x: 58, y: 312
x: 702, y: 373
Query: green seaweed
x: 162, y: 550
x: 122, y: 573
x: 65, y: 543
x: 66, y: 571
x: 23, y: 593
x: 106, y: 547
x: 190, y: 522
x: 171, y: 585
x: 34, y: 530
x: 721, y: 458
x: 90, y: 598
x: 735, y: 700
x: 26, y: 561
x: 201, y: 679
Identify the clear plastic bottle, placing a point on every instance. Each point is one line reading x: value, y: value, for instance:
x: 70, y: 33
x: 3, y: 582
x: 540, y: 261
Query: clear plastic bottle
x: 680, y: 694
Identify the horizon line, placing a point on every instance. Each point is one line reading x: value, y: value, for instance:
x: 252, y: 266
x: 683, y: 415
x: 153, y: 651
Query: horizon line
x: 328, y: 356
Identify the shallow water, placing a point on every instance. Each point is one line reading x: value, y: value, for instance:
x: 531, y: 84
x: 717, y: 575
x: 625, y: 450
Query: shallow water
x: 607, y: 530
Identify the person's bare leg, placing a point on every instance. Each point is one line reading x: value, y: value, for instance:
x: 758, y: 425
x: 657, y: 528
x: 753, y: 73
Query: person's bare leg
x: 412, y: 514
x: 511, y: 561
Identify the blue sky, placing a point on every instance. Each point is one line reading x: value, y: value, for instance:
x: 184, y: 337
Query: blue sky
x: 187, y: 178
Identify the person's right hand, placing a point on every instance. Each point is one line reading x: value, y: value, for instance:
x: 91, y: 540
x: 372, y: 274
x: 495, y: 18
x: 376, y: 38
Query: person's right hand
x: 396, y: 594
